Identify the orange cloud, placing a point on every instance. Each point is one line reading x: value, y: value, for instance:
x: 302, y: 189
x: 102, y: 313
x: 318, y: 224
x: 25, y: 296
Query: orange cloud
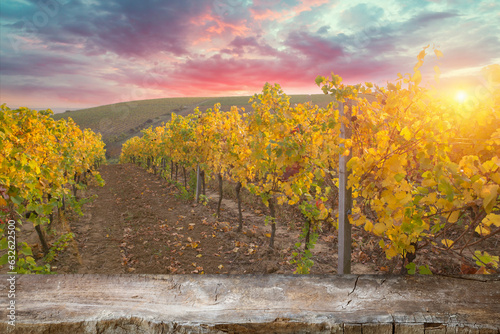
x: 238, y: 30
x: 217, y: 26
x: 210, y: 26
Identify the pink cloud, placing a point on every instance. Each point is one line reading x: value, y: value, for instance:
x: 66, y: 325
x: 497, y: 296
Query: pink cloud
x: 264, y: 13
x: 267, y: 14
x: 307, y: 5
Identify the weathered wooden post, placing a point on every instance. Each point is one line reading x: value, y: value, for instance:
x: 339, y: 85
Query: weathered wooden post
x: 345, y: 199
x: 197, y: 199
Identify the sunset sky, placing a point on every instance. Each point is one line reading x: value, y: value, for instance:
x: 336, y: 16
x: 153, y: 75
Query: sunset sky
x: 79, y: 53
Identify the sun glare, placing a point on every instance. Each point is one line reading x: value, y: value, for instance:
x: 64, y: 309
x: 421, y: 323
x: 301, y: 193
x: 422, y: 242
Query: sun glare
x: 461, y: 96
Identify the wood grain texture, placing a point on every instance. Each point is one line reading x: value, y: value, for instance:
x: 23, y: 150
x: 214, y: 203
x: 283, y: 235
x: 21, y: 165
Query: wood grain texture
x: 253, y: 304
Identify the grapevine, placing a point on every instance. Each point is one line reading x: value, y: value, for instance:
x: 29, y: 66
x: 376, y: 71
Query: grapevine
x: 43, y: 163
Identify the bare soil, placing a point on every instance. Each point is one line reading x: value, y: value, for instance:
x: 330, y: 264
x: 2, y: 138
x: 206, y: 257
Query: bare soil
x: 139, y: 224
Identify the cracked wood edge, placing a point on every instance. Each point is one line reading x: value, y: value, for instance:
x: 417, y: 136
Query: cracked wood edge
x: 216, y: 300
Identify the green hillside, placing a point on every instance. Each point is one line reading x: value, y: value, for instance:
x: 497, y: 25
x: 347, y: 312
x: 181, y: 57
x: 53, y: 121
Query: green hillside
x: 121, y: 121
x: 115, y: 119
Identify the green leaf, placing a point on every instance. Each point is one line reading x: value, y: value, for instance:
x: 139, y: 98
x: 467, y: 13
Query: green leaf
x: 446, y: 188
x: 39, y: 209
x: 47, y: 209
x: 30, y: 260
x: 4, y: 259
x: 25, y: 249
x: 17, y: 200
x: 319, y: 80
x: 424, y: 270
x: 3, y: 243
x: 486, y: 258
x: 412, y: 268
x: 417, y: 199
x: 399, y: 177
x: 423, y: 190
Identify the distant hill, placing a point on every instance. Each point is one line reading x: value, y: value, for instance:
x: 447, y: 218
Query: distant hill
x: 120, y: 121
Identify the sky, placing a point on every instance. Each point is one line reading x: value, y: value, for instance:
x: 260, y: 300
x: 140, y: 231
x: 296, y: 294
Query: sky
x: 80, y: 53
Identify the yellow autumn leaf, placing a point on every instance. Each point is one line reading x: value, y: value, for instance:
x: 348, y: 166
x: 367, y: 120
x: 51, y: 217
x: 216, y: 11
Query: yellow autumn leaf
x: 489, y: 195
x: 495, y: 177
x: 406, y: 133
x: 368, y: 226
x: 482, y: 230
x: 454, y: 216
x: 395, y: 164
x: 492, y: 219
x: 379, y: 228
x: 428, y: 183
x: 359, y: 220
x: 323, y: 214
x: 447, y: 243
x: 391, y: 252
x: 417, y: 77
x: 422, y: 53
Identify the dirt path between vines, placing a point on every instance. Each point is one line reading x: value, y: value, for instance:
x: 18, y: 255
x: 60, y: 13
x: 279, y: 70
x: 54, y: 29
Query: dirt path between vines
x: 138, y: 224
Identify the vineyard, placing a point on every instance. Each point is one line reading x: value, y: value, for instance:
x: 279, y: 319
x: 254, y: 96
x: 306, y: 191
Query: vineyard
x: 121, y: 121
x: 424, y: 171
x: 43, y: 163
x: 424, y: 175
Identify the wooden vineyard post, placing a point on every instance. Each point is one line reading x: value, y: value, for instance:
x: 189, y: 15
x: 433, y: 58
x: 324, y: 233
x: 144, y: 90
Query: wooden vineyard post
x: 197, y: 183
x: 345, y: 201
x: 163, y: 168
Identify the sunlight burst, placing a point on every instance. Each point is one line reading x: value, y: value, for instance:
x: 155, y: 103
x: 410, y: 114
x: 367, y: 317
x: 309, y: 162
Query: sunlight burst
x: 461, y: 96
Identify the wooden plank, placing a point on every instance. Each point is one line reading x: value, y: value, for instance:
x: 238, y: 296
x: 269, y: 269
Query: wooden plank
x: 378, y: 328
x: 353, y: 329
x: 252, y: 304
x: 409, y: 329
